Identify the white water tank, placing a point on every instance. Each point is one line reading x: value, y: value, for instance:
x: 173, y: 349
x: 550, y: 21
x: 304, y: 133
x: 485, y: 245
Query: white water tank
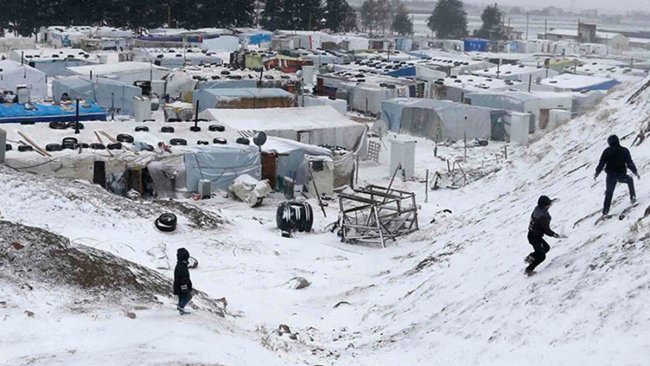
x: 402, y: 153
x: 308, y: 74
x: 142, y: 108
x: 519, y: 127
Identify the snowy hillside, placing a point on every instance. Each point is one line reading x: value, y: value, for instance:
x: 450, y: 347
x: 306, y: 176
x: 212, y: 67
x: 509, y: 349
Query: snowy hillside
x: 453, y: 293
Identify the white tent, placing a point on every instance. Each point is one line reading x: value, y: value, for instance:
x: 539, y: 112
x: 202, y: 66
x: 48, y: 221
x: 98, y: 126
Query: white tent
x: 13, y: 73
x: 127, y: 72
x: 318, y: 125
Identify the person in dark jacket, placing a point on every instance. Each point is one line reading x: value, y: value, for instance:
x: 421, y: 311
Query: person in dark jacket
x: 540, y: 225
x: 616, y: 160
x: 182, y: 282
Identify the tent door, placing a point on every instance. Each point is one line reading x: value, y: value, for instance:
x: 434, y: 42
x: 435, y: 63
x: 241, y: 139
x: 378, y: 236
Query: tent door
x: 303, y: 136
x: 269, y: 168
x: 99, y: 173
x: 543, y: 118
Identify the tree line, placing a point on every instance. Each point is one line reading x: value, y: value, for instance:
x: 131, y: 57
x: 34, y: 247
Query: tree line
x: 448, y: 19
x: 25, y: 17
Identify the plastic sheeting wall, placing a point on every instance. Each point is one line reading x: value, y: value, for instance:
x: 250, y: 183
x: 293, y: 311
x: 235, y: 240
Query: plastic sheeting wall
x: 368, y: 97
x: 104, y: 92
x: 221, y: 165
x: 13, y: 74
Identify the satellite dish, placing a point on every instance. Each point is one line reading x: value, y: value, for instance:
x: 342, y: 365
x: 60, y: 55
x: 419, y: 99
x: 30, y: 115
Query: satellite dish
x: 259, y: 138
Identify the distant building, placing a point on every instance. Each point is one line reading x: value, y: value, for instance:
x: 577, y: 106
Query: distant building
x: 586, y: 33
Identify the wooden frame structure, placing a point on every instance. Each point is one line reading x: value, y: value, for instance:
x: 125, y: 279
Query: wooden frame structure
x: 374, y: 214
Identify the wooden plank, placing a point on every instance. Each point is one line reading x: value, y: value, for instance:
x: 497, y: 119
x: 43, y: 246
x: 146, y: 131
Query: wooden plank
x: 39, y: 149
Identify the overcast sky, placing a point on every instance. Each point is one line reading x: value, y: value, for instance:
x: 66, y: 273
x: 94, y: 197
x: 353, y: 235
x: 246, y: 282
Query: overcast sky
x: 620, y: 6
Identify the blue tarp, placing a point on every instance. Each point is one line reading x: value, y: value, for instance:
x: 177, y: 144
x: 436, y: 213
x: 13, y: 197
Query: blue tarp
x: 476, y: 45
x: 15, y: 112
x: 259, y: 38
x: 403, y: 72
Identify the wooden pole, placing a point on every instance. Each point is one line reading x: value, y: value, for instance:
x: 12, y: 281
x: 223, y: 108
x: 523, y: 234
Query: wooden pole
x: 426, y: 188
x: 34, y: 145
x: 313, y: 181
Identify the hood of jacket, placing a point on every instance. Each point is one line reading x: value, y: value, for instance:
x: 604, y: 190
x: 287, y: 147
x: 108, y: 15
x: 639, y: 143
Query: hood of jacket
x: 182, y: 255
x: 613, y: 141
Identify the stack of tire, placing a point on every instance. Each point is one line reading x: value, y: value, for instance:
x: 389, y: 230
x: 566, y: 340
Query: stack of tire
x: 294, y: 216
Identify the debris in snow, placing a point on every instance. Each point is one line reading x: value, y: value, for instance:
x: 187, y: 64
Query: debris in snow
x: 298, y: 283
x: 29, y: 313
x: 130, y: 315
x: 341, y: 303
x: 16, y: 245
x: 284, y: 329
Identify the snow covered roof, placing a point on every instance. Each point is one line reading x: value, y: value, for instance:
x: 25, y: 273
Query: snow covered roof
x: 304, y: 118
x: 120, y: 67
x: 478, y: 83
x: 48, y: 54
x: 575, y: 82
x: 507, y: 70
x: 248, y: 93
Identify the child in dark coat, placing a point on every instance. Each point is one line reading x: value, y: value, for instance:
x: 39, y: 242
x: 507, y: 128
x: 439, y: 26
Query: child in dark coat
x: 182, y: 282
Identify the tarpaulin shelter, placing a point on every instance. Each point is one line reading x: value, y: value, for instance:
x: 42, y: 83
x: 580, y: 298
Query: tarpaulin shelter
x: 127, y: 72
x: 105, y: 92
x: 14, y: 73
x: 439, y: 119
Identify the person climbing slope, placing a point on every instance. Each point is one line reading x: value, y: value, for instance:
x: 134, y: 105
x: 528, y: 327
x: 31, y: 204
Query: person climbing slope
x: 616, y: 160
x: 540, y: 222
x: 182, y: 282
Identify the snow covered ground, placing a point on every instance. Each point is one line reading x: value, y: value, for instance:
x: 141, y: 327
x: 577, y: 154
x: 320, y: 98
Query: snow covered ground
x: 452, y: 293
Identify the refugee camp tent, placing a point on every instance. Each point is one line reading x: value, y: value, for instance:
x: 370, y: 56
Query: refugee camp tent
x: 242, y: 98
x: 106, y: 92
x: 317, y: 125
x: 441, y: 119
x: 220, y: 164
x: 127, y: 72
x: 13, y: 74
x: 288, y: 159
x: 538, y: 104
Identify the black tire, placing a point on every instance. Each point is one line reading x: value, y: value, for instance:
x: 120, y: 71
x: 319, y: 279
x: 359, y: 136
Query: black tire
x: 58, y: 125
x: 174, y: 120
x: 53, y: 147
x: 114, y: 146
x: 195, y: 128
x: 97, y: 146
x: 203, y: 142
x: 8, y: 147
x: 27, y: 122
x: 141, y: 129
x: 167, y: 129
x: 243, y: 141
x: 309, y: 217
x: 124, y: 138
x: 84, y: 145
x: 147, y: 147
x: 24, y: 148
x: 192, y: 263
x: 220, y: 141
x: 177, y: 142
x: 166, y: 222
x: 149, y: 120
x: 202, y: 120
x: 216, y: 128
x: 69, y: 143
x: 73, y: 124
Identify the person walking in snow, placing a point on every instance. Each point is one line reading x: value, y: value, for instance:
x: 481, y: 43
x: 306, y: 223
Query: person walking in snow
x: 540, y: 225
x: 182, y: 282
x: 616, y: 160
